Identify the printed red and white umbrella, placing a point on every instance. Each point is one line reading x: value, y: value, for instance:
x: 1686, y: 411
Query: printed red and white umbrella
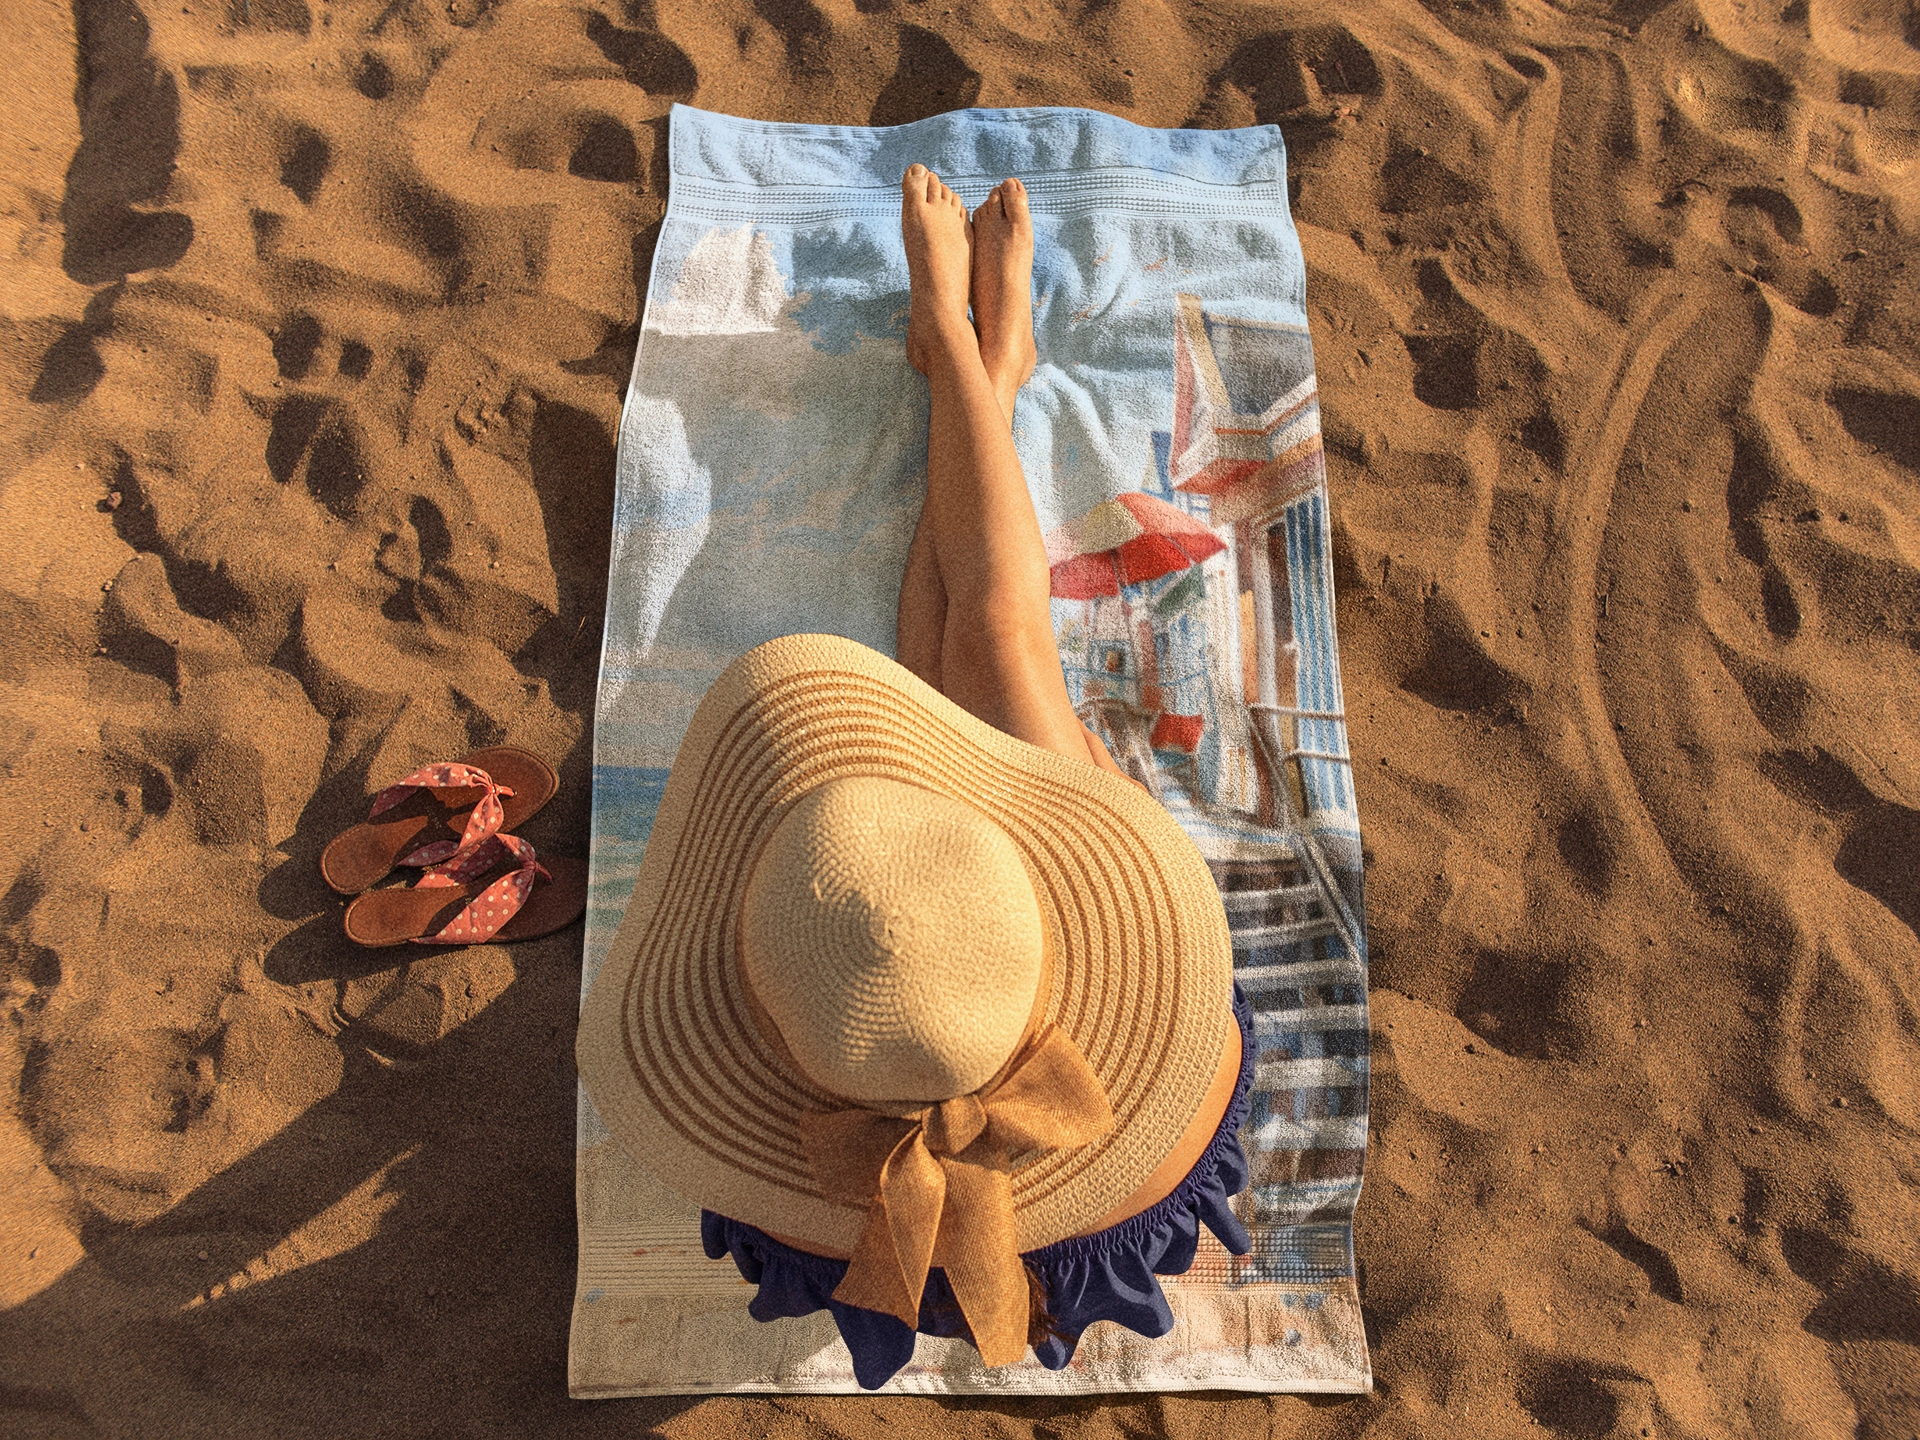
x: 1124, y: 541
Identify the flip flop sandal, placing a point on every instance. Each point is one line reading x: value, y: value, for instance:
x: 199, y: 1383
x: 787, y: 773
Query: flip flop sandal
x: 443, y: 908
x: 504, y: 785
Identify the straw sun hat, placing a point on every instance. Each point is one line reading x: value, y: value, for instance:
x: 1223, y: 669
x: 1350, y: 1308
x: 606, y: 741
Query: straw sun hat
x: 900, y: 986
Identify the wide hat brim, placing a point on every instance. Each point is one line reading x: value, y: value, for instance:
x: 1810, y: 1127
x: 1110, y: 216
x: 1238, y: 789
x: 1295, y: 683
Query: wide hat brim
x: 1141, y: 963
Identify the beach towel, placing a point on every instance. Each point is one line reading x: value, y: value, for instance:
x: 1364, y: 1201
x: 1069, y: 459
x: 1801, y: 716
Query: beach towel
x: 771, y: 463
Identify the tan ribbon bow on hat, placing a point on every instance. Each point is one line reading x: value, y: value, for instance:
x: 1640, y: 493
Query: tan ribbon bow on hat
x: 938, y: 1179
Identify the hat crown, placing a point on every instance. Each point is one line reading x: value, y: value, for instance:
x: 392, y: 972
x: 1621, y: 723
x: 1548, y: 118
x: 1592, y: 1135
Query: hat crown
x: 892, y: 936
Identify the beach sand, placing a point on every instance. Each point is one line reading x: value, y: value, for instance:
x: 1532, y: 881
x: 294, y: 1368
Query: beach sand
x: 317, y: 318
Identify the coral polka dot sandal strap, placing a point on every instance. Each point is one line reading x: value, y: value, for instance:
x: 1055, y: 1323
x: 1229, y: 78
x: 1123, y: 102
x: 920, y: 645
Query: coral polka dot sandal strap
x: 439, y: 811
x: 449, y: 906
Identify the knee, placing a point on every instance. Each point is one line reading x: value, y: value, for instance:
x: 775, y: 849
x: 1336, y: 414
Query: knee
x: 1008, y: 598
x: 1008, y: 651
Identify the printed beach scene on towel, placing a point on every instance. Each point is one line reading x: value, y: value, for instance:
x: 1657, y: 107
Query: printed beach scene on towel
x: 771, y: 463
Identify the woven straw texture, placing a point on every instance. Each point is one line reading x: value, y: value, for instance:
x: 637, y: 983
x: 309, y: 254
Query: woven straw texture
x: 892, y: 937
x: 668, y: 1046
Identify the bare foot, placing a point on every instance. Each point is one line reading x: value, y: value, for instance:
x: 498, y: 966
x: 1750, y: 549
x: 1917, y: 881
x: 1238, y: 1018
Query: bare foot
x: 1003, y: 289
x: 933, y: 223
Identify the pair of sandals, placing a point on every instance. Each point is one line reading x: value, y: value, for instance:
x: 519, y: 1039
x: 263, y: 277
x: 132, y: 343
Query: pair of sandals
x: 487, y: 884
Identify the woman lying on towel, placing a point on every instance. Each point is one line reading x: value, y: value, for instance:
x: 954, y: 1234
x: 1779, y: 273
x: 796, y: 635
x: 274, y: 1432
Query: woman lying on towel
x: 928, y: 1004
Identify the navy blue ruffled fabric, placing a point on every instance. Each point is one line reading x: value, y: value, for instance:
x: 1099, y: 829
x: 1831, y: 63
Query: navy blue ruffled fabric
x: 1104, y: 1276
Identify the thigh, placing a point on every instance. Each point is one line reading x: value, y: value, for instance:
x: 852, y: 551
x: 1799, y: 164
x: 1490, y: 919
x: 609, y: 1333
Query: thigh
x: 1008, y: 674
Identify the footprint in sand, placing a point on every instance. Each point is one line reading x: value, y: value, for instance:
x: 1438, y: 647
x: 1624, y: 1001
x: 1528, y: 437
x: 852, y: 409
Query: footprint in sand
x: 304, y: 162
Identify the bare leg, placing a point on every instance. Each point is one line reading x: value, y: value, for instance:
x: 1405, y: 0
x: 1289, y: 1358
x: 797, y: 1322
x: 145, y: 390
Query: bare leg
x: 977, y: 567
x: 1003, y: 318
x: 1000, y: 285
x: 1003, y: 290
x: 922, y: 622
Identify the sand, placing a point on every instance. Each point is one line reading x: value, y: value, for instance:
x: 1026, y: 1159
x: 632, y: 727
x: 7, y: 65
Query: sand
x: 317, y: 319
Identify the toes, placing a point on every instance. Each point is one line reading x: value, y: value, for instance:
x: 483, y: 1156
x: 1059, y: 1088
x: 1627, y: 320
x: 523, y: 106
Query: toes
x: 920, y: 183
x: 1013, y: 196
x: 1005, y: 207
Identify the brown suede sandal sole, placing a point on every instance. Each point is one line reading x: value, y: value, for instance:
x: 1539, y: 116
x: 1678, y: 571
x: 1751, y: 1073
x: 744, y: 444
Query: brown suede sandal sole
x: 363, y: 855
x: 399, y: 914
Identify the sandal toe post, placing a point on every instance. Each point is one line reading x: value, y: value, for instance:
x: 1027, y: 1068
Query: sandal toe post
x: 532, y: 780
